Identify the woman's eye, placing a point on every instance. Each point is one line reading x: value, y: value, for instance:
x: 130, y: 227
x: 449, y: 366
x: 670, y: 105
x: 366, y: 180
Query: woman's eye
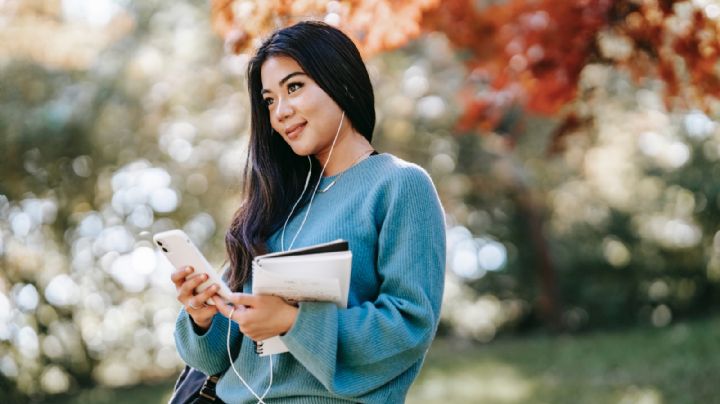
x: 292, y: 87
x: 268, y: 101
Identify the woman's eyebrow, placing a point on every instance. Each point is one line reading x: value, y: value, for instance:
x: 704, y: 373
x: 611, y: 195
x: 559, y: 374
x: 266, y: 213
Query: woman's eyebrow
x: 281, y: 82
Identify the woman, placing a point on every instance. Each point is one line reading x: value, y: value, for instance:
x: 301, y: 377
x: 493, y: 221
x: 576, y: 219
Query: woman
x: 313, y: 112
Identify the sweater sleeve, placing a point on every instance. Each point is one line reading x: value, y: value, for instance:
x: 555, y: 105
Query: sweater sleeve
x: 206, y: 352
x: 356, y: 350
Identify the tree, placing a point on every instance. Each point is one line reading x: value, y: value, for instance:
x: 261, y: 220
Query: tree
x: 518, y: 52
x: 522, y: 57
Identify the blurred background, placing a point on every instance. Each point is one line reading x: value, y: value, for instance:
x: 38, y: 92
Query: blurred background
x: 574, y: 144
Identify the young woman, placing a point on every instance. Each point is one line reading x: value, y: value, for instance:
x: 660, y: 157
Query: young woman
x: 313, y: 111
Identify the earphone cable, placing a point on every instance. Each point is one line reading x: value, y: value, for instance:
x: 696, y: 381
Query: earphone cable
x: 232, y: 364
x: 282, y: 247
x: 282, y: 243
x: 307, y: 181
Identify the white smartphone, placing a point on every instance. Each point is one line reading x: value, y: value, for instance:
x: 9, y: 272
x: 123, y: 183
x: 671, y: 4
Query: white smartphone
x: 181, y: 251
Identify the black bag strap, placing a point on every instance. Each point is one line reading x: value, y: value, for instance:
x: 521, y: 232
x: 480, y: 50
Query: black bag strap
x: 207, y: 392
x: 195, y: 387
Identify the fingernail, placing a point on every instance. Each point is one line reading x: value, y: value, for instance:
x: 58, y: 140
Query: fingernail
x: 188, y: 269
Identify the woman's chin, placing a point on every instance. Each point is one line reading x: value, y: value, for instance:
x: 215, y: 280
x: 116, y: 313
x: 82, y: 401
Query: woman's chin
x: 302, y: 151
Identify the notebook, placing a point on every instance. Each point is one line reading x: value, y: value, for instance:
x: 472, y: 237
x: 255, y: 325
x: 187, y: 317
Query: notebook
x: 315, y: 273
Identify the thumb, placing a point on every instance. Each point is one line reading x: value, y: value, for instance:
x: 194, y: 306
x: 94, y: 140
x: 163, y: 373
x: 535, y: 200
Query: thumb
x: 226, y: 309
x: 243, y: 299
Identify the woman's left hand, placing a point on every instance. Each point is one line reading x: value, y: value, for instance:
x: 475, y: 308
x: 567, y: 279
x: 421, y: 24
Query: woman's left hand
x: 259, y: 317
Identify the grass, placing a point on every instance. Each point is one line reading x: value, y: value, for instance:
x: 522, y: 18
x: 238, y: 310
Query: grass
x: 678, y: 364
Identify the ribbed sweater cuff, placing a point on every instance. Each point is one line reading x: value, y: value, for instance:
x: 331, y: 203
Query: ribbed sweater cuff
x: 207, y: 352
x: 314, y: 334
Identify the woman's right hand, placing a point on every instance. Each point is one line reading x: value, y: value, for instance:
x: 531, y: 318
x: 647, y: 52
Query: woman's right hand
x: 201, y: 313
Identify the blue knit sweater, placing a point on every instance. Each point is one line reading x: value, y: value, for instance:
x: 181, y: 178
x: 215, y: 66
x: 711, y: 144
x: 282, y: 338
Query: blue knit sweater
x: 389, y: 212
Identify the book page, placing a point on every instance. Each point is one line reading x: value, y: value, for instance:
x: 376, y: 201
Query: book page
x: 296, y: 289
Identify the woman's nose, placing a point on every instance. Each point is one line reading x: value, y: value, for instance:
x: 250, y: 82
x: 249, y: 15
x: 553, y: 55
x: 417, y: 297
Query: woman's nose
x: 283, y: 110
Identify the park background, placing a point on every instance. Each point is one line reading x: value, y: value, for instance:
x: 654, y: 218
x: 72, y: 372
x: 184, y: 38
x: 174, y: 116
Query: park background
x: 574, y: 145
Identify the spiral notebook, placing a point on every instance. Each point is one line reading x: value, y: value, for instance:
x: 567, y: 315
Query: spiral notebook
x: 316, y: 273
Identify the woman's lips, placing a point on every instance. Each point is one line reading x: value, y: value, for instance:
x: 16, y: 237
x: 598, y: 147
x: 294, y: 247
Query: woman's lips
x: 295, y: 131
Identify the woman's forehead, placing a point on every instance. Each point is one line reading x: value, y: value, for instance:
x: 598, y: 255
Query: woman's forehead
x: 277, y: 67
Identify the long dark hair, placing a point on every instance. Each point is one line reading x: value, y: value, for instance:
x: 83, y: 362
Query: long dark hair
x: 274, y: 174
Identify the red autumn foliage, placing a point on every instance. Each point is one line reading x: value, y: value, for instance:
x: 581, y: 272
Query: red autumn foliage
x: 531, y: 52
x: 374, y: 25
x: 527, y: 53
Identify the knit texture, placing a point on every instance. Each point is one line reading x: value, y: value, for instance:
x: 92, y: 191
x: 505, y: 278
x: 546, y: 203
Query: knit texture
x: 389, y: 212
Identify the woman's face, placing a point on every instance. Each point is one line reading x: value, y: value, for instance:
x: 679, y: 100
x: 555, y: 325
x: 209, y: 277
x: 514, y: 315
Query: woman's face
x: 300, y: 111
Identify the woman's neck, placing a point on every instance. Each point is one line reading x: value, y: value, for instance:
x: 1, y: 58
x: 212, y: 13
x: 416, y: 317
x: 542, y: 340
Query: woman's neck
x: 349, y: 149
